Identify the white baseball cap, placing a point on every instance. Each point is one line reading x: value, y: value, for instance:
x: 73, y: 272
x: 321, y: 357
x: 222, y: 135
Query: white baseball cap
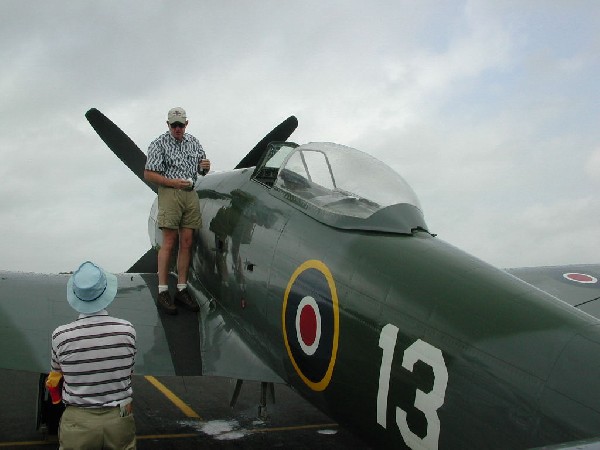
x: 176, y: 114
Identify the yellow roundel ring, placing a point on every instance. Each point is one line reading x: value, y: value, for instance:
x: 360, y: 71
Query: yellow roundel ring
x: 310, y: 322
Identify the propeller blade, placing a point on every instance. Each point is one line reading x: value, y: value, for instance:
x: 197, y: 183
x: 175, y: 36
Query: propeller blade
x: 279, y: 134
x: 119, y: 143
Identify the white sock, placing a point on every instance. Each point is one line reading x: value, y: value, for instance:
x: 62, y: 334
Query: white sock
x: 163, y: 288
x: 181, y: 287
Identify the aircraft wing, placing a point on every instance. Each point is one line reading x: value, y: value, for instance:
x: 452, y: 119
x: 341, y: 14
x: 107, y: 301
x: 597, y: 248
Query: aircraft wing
x: 33, y: 305
x: 578, y: 285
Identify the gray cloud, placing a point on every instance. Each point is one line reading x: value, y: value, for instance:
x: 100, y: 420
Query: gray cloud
x: 488, y: 109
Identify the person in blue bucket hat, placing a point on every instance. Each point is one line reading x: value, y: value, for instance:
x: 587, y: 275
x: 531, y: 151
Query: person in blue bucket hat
x: 94, y: 356
x: 91, y: 289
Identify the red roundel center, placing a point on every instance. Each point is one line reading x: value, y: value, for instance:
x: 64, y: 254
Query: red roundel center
x: 580, y: 277
x: 308, y: 325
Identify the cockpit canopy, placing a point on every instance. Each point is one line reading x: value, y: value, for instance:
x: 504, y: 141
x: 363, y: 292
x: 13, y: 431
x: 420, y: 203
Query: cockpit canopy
x: 341, y: 186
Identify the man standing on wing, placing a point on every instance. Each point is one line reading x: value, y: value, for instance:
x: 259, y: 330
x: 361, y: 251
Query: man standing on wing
x: 174, y: 160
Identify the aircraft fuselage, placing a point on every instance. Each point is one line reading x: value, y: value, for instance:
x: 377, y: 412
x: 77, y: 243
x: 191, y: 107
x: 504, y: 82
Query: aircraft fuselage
x: 404, y: 338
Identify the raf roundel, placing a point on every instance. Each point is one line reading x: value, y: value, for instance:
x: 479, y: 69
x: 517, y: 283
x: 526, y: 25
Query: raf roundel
x: 582, y: 278
x: 310, y: 323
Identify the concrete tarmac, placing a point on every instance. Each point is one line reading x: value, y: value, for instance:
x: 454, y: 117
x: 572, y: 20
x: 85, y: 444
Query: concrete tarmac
x: 188, y: 413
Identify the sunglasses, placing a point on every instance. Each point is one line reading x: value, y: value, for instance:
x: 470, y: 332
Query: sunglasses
x: 177, y: 125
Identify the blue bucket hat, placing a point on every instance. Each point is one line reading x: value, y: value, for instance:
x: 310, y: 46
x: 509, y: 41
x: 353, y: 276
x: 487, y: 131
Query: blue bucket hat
x: 90, y: 289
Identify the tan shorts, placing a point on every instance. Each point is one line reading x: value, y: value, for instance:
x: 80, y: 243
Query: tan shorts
x: 96, y: 428
x: 178, y: 209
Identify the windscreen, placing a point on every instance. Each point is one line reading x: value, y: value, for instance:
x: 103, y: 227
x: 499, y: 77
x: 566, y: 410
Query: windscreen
x: 343, y: 180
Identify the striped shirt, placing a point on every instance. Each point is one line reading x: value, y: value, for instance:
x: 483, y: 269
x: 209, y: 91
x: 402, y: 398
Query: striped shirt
x: 95, y: 354
x: 173, y: 158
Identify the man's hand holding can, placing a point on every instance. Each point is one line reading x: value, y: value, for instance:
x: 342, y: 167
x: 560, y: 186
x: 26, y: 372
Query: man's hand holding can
x: 204, y: 166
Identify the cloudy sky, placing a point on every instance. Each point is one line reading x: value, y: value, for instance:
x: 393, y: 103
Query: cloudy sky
x: 489, y: 109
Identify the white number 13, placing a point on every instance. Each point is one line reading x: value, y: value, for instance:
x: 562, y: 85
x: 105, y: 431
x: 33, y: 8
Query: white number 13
x: 426, y: 402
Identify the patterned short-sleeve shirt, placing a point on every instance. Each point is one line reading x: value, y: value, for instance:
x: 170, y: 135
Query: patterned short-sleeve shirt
x: 173, y: 158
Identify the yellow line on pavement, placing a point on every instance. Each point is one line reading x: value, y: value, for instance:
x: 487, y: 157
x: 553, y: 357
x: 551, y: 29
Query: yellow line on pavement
x: 155, y: 437
x: 54, y: 441
x: 189, y: 412
x: 294, y: 428
x: 26, y: 443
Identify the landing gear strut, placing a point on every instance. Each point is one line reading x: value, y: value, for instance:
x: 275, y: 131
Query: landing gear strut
x: 262, y: 406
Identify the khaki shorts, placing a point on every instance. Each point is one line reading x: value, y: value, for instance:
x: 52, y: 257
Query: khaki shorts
x: 178, y: 209
x: 96, y: 428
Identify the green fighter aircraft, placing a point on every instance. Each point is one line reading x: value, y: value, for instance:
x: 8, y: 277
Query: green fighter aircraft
x: 314, y: 267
